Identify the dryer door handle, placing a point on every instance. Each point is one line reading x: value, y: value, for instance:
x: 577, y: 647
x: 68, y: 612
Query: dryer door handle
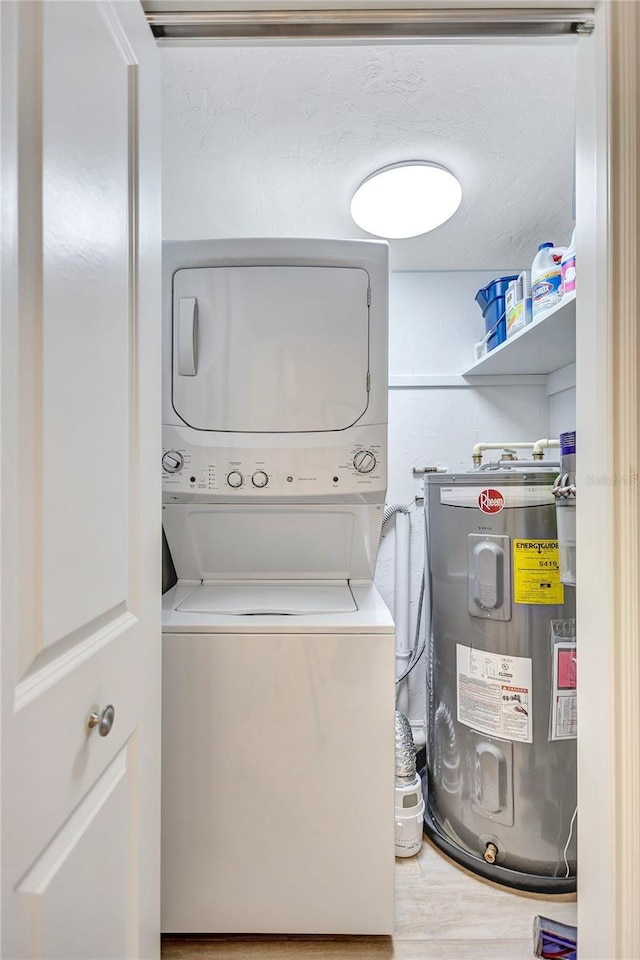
x: 187, y: 336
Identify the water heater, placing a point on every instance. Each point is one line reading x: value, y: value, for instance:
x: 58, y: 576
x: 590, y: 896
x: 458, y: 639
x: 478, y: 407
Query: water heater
x: 500, y: 784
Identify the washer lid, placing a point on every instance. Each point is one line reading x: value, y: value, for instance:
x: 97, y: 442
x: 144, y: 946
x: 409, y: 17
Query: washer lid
x: 263, y: 597
x: 270, y: 349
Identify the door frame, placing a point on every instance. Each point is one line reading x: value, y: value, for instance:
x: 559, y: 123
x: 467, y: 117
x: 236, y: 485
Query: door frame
x: 608, y: 518
x: 608, y: 396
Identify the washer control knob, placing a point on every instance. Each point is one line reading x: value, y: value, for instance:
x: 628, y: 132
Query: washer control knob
x: 364, y: 461
x: 172, y: 461
x: 235, y: 479
x: 260, y: 479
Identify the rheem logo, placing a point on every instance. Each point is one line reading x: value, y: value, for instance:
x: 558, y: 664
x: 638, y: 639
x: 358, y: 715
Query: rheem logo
x: 491, y: 501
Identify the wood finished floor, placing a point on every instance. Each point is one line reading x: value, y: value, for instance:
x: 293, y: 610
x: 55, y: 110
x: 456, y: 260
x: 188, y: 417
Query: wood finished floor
x: 442, y: 913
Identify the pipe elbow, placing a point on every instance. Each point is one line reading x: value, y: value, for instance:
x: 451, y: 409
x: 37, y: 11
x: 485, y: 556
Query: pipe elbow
x: 541, y: 445
x: 476, y: 453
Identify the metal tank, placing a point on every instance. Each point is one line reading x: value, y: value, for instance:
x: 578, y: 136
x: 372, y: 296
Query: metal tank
x: 500, y: 784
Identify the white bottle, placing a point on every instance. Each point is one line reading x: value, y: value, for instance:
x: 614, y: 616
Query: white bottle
x: 518, y: 304
x: 546, y: 278
x: 569, y: 267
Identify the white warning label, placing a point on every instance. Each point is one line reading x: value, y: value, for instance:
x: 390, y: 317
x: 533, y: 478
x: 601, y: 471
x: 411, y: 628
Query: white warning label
x: 564, y: 710
x: 494, y: 693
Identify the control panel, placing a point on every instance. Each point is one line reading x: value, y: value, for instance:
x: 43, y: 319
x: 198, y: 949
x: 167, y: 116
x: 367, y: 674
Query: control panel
x: 295, y: 471
x: 365, y: 461
x: 172, y: 461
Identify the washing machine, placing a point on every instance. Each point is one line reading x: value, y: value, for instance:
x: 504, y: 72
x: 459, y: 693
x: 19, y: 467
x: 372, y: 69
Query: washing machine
x: 278, y: 652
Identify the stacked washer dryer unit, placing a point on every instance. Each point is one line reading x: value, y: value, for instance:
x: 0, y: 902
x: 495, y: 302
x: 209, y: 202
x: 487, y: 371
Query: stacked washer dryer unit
x: 278, y: 683
x: 501, y: 770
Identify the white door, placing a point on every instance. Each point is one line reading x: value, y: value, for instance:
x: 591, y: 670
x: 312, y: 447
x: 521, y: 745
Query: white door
x: 80, y: 481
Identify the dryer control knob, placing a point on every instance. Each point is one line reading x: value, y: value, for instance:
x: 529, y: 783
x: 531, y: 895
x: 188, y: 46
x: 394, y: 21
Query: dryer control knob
x: 172, y: 461
x: 260, y: 479
x: 364, y: 461
x: 235, y: 479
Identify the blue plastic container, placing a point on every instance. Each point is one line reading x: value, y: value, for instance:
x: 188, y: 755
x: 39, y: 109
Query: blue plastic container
x: 491, y: 300
x: 568, y: 443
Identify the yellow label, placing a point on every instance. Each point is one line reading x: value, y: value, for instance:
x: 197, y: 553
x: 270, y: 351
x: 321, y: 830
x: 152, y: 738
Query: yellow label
x: 536, y: 572
x: 515, y: 316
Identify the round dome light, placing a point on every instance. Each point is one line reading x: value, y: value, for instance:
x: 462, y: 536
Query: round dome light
x: 406, y: 199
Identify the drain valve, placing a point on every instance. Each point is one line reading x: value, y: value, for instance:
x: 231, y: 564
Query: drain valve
x: 490, y: 853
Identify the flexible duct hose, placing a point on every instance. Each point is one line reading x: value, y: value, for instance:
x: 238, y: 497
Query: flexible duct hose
x: 405, y: 752
x: 391, y: 511
x: 409, y: 802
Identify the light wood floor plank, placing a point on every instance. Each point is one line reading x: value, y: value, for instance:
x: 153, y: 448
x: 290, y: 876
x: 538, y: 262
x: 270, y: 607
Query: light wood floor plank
x: 448, y: 903
x: 442, y: 913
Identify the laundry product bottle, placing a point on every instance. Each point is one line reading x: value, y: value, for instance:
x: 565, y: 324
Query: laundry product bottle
x: 569, y: 267
x: 518, y: 304
x: 546, y: 277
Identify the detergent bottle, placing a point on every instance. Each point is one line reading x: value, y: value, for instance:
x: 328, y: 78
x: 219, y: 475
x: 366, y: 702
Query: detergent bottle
x: 518, y: 304
x: 569, y: 267
x: 546, y: 277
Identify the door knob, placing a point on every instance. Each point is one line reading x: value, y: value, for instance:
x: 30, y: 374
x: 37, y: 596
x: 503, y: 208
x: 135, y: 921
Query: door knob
x: 103, y: 721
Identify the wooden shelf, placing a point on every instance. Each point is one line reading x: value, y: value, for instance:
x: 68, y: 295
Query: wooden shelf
x: 545, y: 345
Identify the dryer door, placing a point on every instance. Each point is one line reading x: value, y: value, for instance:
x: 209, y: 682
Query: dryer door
x: 262, y: 349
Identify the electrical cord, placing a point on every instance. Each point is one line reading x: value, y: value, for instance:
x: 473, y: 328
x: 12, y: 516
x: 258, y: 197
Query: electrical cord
x: 413, y: 664
x: 566, y: 846
x: 414, y: 659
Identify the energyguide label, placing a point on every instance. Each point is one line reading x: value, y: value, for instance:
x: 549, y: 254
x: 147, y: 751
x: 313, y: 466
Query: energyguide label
x: 536, y: 572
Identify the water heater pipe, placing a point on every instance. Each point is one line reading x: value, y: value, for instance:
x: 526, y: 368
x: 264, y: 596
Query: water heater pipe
x: 538, y: 447
x: 544, y: 464
x: 510, y: 464
x: 479, y: 448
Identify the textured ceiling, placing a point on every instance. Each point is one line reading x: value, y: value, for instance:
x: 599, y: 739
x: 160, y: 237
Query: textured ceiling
x: 272, y: 141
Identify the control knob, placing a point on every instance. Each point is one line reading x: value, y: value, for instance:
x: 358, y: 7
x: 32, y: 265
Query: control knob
x: 172, y: 461
x: 260, y: 479
x: 235, y: 479
x: 364, y: 461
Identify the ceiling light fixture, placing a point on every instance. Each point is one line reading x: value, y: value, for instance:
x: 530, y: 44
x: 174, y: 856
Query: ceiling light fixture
x: 406, y: 199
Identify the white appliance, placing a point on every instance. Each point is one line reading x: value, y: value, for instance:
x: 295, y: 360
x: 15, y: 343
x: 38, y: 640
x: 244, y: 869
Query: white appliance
x: 278, y: 685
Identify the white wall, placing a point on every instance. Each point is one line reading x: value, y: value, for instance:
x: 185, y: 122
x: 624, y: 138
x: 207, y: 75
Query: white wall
x: 433, y: 323
x: 562, y: 411
x: 273, y: 140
